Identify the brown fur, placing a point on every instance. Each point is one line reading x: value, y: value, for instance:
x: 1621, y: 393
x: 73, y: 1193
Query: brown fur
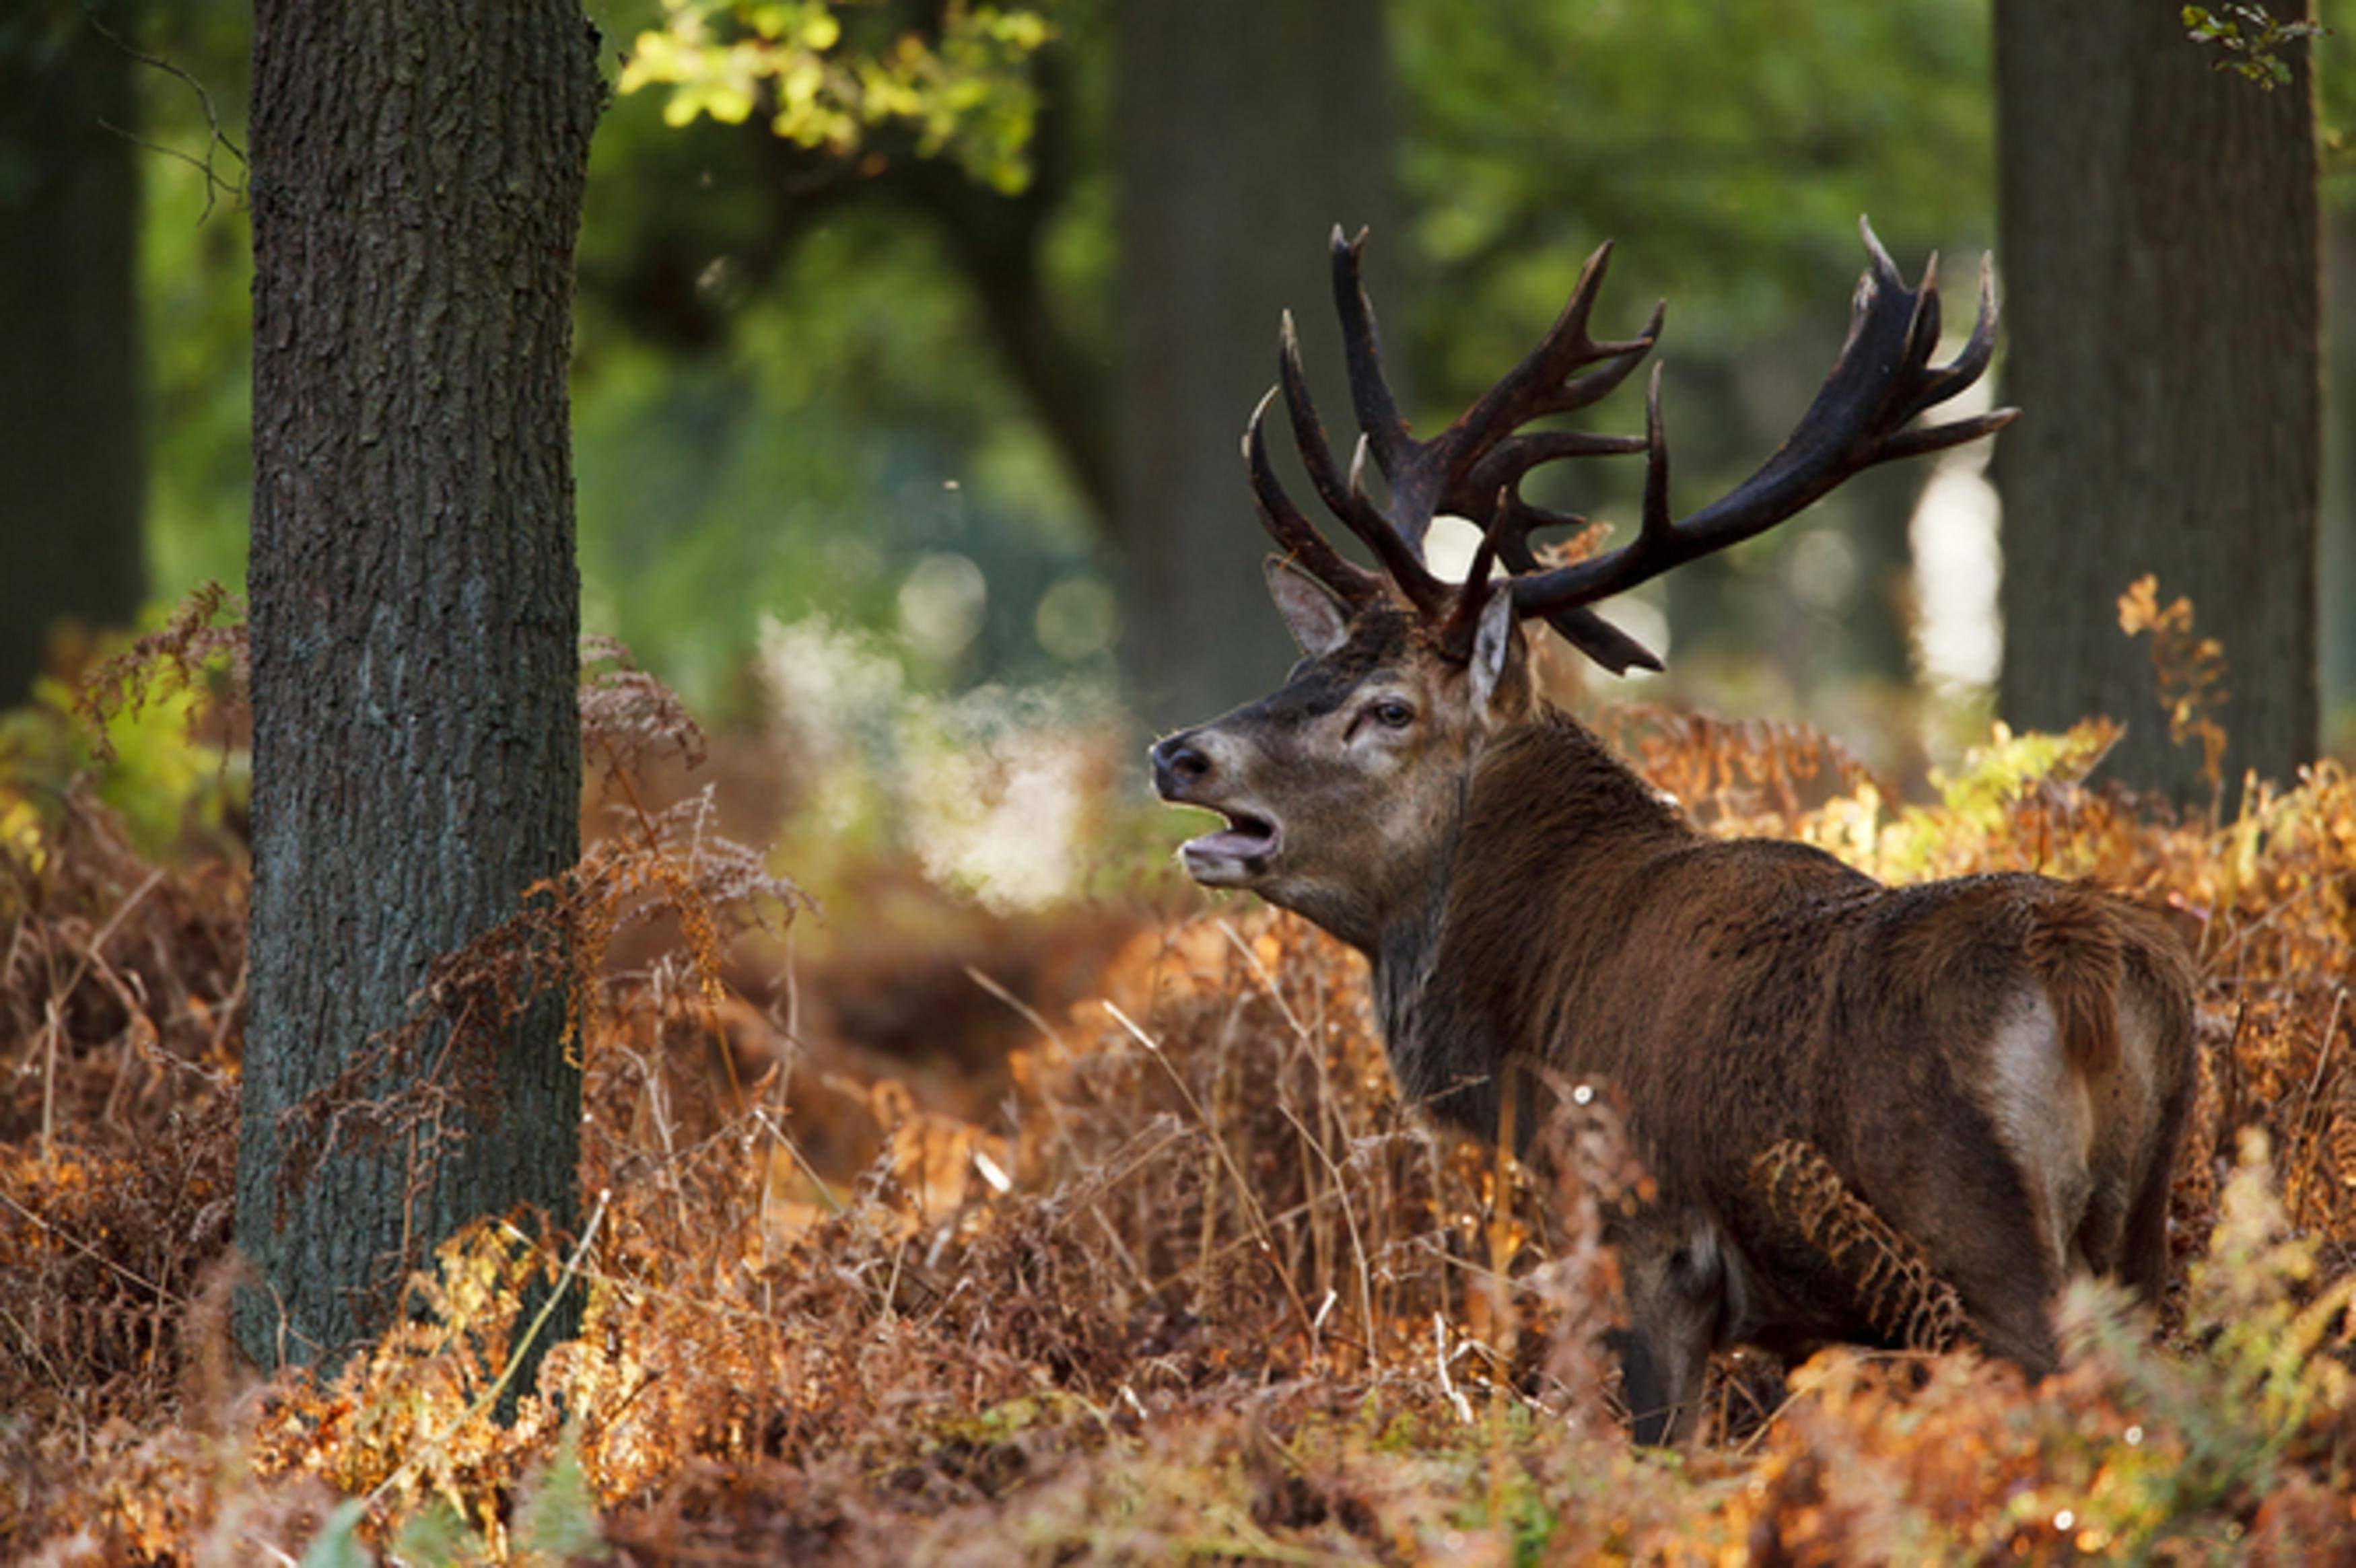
x: 2076, y: 950
x: 1994, y: 1068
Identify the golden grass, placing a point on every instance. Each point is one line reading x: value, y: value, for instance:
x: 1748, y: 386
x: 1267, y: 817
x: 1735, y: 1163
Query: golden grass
x: 1198, y: 1287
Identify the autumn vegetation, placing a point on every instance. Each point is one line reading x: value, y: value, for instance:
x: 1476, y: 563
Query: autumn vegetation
x: 916, y: 1230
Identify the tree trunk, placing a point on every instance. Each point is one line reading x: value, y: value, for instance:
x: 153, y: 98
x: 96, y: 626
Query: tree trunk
x: 70, y: 389
x: 2158, y: 223
x: 1247, y: 128
x: 417, y: 175
x: 2337, y: 578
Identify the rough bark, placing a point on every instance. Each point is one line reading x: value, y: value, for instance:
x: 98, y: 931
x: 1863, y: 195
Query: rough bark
x: 2158, y: 222
x: 417, y: 176
x: 2337, y: 577
x: 1246, y: 130
x: 70, y: 436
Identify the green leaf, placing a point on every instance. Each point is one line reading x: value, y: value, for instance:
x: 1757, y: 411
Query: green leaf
x: 337, y: 1544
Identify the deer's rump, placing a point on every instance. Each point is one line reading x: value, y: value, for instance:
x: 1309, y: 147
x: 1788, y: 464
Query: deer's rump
x: 1995, y: 1065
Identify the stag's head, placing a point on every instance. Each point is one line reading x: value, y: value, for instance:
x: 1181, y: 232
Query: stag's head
x: 1342, y: 789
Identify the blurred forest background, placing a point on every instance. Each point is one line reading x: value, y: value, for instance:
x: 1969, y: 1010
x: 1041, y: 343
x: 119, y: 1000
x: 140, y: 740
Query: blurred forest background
x: 972, y: 385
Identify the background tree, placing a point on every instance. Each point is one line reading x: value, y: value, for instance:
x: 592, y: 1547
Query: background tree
x: 1249, y: 128
x: 2159, y: 245
x: 72, y: 377
x: 418, y: 169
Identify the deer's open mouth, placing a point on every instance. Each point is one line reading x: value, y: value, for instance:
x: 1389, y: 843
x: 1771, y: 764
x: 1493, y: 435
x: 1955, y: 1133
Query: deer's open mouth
x: 1235, y: 852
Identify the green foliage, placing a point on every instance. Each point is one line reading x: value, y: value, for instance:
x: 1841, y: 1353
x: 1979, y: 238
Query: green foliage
x: 2251, y: 40
x: 557, y: 1520
x: 964, y: 91
x: 1979, y: 795
x: 162, y: 777
x: 196, y: 282
x: 1729, y: 147
x: 852, y: 426
x: 2213, y: 1431
x: 435, y: 1537
x: 337, y: 1544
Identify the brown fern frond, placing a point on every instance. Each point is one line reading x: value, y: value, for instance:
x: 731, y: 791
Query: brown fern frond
x: 628, y: 717
x: 193, y: 638
x: 1896, y: 1287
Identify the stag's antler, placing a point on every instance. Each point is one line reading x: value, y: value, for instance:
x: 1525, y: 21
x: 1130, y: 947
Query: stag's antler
x: 1881, y: 381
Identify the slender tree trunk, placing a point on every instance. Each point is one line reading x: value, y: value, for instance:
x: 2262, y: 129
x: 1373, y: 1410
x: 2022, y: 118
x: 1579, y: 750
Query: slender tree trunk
x: 1247, y: 129
x: 417, y: 175
x: 2159, y: 251
x: 70, y: 436
x: 2337, y: 575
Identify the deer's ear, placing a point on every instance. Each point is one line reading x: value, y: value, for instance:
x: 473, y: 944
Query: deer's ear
x: 1500, y: 683
x: 1319, y: 622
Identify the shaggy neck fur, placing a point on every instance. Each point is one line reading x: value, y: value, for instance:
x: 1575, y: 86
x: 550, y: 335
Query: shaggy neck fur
x: 1464, y: 986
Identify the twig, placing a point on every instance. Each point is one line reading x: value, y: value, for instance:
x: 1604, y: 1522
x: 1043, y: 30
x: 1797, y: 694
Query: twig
x: 1266, y: 980
x: 65, y: 1390
x: 55, y: 1024
x: 93, y: 1254
x: 1350, y: 1219
x: 2295, y: 1185
x: 1023, y: 1010
x: 215, y: 135
x: 1266, y: 1237
x: 825, y: 1194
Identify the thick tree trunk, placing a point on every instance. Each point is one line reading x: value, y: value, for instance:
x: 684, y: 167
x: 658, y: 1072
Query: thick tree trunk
x: 2158, y: 223
x: 417, y: 175
x: 1248, y: 128
x: 70, y: 446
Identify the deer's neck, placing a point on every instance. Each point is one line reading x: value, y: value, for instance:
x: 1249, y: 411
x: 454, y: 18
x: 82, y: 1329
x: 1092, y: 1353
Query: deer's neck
x: 1550, y: 844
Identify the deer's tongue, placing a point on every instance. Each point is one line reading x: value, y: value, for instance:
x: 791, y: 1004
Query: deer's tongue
x: 1244, y: 838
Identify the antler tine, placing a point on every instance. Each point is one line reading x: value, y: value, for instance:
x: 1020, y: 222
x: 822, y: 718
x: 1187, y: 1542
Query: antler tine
x: 1370, y: 392
x: 1540, y: 383
x: 1476, y: 455
x: 1659, y: 525
x: 1463, y: 467
x: 1463, y: 620
x: 1506, y: 540
x: 1621, y: 358
x: 1291, y: 529
x: 1582, y: 628
x: 1308, y: 430
x: 1400, y: 556
x: 1515, y: 456
x: 1596, y: 637
x: 1946, y: 380
x: 1348, y: 502
x: 1880, y: 380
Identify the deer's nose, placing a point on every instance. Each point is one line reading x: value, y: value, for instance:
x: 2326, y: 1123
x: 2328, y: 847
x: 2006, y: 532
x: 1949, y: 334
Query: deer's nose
x: 1178, y: 765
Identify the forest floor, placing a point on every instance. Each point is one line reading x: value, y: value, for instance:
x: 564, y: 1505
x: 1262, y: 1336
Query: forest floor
x: 1098, y: 1234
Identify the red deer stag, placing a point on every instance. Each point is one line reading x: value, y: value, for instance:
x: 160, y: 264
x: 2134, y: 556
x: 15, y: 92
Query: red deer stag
x: 1997, y: 1067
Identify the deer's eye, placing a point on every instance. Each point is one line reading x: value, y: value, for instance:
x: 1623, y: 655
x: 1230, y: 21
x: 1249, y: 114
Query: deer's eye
x: 1393, y: 714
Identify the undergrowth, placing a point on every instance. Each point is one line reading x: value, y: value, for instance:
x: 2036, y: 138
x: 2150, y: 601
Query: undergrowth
x: 1196, y: 1285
